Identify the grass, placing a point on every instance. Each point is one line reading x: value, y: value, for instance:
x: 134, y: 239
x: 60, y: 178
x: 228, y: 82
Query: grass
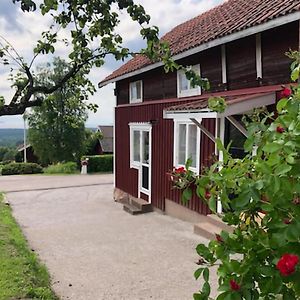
x: 62, y: 168
x: 21, y: 274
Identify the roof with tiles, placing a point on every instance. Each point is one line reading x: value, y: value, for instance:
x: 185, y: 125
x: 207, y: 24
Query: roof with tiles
x: 228, y: 18
x: 231, y: 97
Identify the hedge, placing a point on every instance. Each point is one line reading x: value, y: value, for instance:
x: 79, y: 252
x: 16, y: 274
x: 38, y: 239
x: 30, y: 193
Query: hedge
x: 99, y: 163
x: 21, y: 168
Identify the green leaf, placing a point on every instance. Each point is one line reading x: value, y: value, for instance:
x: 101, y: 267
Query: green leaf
x: 272, y: 147
x: 206, y: 274
x: 282, y: 104
x: 282, y: 169
x: 198, y: 273
x: 206, y: 289
x: 187, y: 195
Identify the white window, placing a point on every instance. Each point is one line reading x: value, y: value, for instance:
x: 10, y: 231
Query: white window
x: 184, y: 87
x: 136, y: 91
x: 186, y: 144
x: 139, y: 144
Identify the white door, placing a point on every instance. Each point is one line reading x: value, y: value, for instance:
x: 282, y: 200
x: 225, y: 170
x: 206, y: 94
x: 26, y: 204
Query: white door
x: 145, y: 167
x: 140, y: 151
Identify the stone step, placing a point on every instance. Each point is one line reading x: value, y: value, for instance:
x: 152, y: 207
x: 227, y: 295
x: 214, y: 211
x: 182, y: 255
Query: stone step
x: 216, y: 220
x: 207, y: 230
x: 133, y: 210
x: 141, y: 204
x: 211, y: 225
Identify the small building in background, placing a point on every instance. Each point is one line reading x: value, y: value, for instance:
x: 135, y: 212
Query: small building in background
x: 105, y: 145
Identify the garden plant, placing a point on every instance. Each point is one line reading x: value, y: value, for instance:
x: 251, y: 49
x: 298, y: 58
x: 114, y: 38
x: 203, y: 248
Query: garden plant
x: 260, y: 195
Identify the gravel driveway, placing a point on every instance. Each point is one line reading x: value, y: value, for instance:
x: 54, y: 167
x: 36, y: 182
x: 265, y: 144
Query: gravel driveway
x: 93, y: 249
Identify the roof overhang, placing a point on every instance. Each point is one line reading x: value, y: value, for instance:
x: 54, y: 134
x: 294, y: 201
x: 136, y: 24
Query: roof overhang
x: 217, y: 42
x: 234, y: 107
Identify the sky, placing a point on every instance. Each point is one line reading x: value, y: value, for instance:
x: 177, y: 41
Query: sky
x: 23, y: 30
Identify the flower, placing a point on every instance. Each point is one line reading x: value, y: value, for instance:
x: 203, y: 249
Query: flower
x: 180, y: 170
x: 287, y: 263
x: 287, y: 221
x: 285, y: 93
x: 207, y: 194
x: 279, y: 129
x: 234, y: 285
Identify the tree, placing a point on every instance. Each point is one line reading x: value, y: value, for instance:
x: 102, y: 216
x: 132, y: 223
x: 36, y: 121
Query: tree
x: 56, y: 129
x: 92, y: 35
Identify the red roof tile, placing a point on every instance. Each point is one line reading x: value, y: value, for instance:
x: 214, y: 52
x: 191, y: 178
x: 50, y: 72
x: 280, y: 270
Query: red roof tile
x: 230, y: 17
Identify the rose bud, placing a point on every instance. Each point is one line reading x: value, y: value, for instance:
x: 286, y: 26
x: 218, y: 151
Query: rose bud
x: 207, y: 194
x: 234, y: 285
x: 219, y: 238
x: 296, y: 201
x: 285, y: 93
x: 287, y: 221
x: 279, y: 129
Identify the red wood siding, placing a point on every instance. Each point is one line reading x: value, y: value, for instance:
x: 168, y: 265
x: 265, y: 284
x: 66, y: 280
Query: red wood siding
x: 241, y: 63
x: 162, y: 154
x: 275, y: 43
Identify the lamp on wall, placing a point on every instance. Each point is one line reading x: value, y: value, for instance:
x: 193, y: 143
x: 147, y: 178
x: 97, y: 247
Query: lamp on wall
x: 153, y: 122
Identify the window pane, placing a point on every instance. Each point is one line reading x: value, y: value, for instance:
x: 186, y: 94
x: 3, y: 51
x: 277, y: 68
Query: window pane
x: 145, y: 141
x: 138, y: 90
x: 133, y: 91
x: 183, y: 82
x: 193, y: 144
x: 145, y: 178
x: 136, y: 146
x: 182, y: 144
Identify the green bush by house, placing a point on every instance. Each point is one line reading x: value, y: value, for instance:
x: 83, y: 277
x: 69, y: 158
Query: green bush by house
x: 62, y: 168
x: 21, y: 168
x: 99, y: 163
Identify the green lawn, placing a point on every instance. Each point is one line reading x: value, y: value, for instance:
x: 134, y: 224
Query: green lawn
x: 21, y: 273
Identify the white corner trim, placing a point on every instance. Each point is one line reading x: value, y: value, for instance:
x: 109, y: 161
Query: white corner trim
x: 223, y: 40
x: 259, y: 69
x: 224, y: 66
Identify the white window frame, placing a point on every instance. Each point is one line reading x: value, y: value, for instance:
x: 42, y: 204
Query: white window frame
x: 134, y: 84
x: 190, y: 91
x: 138, y: 127
x: 176, y: 144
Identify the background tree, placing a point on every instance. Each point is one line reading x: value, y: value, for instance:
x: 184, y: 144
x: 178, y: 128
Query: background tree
x: 56, y: 129
x: 90, y: 34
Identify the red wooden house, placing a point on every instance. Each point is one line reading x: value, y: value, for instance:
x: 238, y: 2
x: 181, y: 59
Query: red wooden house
x: 160, y: 120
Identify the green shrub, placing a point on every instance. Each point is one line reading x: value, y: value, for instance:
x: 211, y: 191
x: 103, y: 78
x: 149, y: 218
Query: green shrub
x: 21, y: 168
x: 100, y: 163
x: 62, y: 168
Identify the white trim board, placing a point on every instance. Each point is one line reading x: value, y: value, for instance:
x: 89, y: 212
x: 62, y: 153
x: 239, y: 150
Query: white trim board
x: 219, y: 41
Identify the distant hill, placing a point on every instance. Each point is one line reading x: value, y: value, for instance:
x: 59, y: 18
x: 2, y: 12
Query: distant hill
x: 11, y: 137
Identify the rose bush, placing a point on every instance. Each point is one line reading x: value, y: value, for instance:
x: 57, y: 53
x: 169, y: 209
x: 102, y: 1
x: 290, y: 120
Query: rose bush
x: 260, y: 195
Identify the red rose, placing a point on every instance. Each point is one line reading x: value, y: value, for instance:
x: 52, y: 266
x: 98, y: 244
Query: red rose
x: 296, y: 201
x: 287, y: 263
x: 207, y: 194
x: 287, y: 221
x: 219, y: 238
x: 280, y: 129
x: 285, y: 93
x: 234, y: 285
x: 180, y: 170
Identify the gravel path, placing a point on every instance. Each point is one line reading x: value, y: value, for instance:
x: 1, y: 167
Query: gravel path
x: 93, y: 249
